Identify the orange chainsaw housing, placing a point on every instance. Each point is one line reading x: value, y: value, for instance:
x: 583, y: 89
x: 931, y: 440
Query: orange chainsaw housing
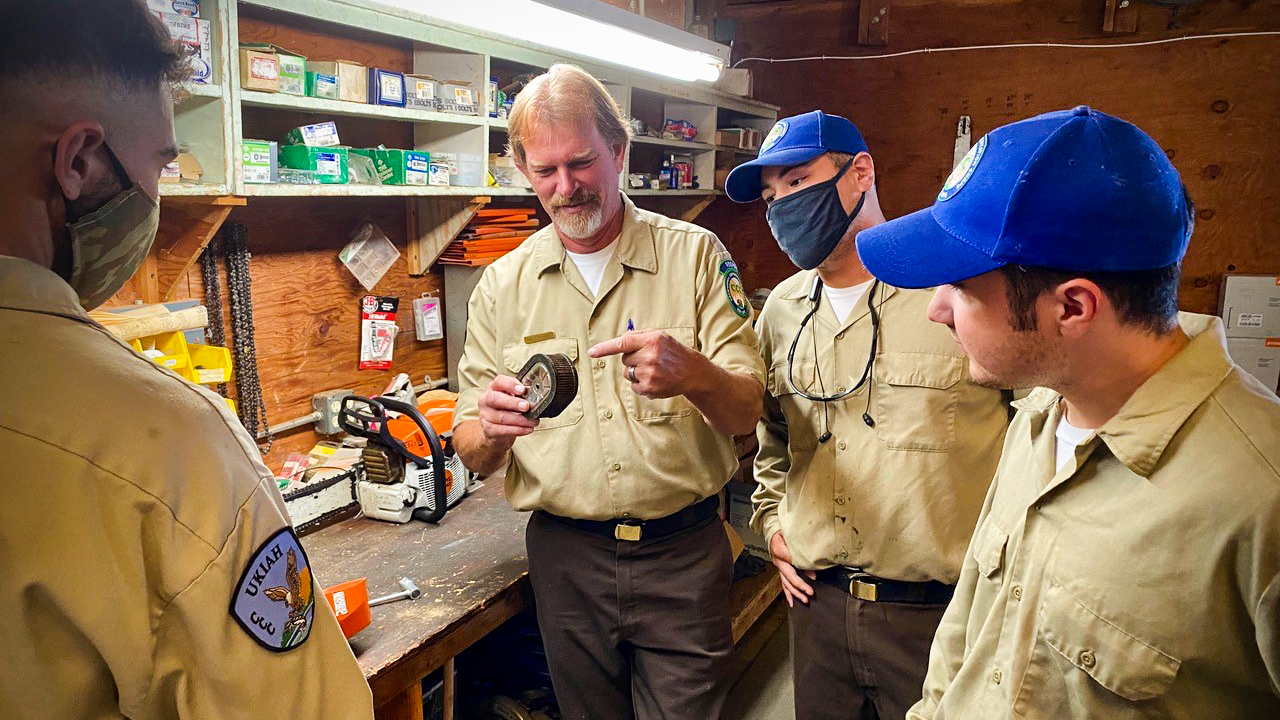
x: 438, y: 412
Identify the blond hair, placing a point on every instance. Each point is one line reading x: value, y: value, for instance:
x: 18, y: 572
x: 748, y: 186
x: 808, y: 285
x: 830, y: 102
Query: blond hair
x: 565, y: 94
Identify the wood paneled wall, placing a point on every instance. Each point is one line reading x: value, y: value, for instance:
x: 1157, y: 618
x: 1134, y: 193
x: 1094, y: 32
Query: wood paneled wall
x: 1214, y: 105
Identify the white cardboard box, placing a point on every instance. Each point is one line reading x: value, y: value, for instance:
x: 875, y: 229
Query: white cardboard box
x: 177, y: 7
x: 740, y: 519
x: 1250, y: 305
x: 1260, y: 357
x: 194, y: 33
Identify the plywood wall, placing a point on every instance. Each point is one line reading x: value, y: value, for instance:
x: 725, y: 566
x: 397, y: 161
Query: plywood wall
x: 1214, y: 105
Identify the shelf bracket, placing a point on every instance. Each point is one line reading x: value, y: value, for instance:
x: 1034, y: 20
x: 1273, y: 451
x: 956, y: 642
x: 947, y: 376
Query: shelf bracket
x: 434, y: 223
x: 187, y: 224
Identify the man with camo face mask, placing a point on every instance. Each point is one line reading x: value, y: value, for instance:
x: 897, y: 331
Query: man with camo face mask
x: 140, y: 534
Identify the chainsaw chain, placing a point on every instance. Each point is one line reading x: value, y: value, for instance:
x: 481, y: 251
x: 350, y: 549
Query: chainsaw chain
x: 213, y: 297
x: 250, y: 404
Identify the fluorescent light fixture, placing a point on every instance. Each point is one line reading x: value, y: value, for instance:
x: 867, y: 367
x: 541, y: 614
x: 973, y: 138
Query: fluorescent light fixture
x: 589, y: 28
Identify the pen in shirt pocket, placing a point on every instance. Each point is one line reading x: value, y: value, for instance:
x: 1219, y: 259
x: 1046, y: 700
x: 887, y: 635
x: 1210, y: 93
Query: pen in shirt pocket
x: 630, y: 325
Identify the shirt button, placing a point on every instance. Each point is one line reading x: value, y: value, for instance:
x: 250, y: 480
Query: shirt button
x: 840, y: 444
x: 1087, y: 659
x: 595, y: 313
x: 842, y: 555
x: 600, y: 364
x: 626, y: 515
x: 1017, y: 592
x: 840, y: 335
x: 839, y: 501
x: 840, y: 389
x: 617, y: 467
x: 996, y: 677
x: 608, y: 414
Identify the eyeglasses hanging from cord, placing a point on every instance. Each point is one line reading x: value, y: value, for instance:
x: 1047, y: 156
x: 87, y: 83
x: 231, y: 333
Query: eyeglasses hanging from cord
x: 234, y: 244
x: 815, y: 297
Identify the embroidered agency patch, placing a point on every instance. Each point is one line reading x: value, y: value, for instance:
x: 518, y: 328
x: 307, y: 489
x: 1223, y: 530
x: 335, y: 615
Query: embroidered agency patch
x: 962, y: 172
x: 274, y: 600
x: 775, y: 134
x: 733, y: 288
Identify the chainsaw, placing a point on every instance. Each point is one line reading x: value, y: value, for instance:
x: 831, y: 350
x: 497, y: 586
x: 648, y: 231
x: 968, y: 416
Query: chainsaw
x: 410, y: 468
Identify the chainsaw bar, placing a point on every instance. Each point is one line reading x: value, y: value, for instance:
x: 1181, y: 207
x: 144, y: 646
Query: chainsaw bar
x: 552, y: 382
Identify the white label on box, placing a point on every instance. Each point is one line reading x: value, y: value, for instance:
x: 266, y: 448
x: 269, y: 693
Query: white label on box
x: 320, y: 135
x: 1250, y: 320
x: 206, y: 377
x: 171, y: 171
x: 326, y: 85
x: 463, y: 96
x: 340, y: 604
x: 264, y: 69
x: 259, y: 157
x: 424, y: 90
x: 439, y: 174
x: 391, y: 88
x: 190, y: 8
x: 328, y: 164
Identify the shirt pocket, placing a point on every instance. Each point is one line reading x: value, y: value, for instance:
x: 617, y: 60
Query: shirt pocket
x: 644, y: 409
x: 916, y: 398
x: 801, y: 414
x: 1090, y: 663
x: 515, y: 356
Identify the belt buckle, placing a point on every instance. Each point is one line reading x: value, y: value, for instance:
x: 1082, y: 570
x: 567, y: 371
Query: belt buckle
x: 863, y: 589
x: 629, y: 533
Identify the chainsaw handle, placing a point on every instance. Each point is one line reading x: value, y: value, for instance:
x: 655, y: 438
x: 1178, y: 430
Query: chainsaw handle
x: 437, y: 455
x: 359, y: 423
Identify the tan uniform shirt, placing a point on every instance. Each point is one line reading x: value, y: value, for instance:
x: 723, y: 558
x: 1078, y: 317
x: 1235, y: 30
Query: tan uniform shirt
x: 611, y: 453
x: 132, y: 506
x: 899, y: 499
x: 1140, y: 581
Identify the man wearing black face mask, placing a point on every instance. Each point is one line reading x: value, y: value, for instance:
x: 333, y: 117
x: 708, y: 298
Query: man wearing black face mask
x: 876, y: 447
x: 147, y: 567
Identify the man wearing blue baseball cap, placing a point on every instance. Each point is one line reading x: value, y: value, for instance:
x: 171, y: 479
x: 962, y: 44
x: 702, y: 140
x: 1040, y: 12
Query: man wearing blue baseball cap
x: 1127, y: 561
x: 875, y: 446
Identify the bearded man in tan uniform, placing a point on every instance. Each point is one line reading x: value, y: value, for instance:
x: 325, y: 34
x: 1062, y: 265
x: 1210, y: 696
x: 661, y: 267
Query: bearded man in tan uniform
x: 629, y: 563
x: 147, y: 567
x: 1127, y: 560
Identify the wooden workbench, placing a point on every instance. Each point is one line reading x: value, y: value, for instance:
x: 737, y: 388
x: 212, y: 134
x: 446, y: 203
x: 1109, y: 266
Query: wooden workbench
x: 473, y: 573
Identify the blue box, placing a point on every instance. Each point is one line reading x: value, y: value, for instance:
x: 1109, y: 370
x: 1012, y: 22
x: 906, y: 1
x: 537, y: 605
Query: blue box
x: 386, y: 87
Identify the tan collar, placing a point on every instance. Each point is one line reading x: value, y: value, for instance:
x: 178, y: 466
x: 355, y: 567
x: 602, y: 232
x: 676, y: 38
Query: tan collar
x: 29, y: 287
x: 1147, y: 422
x: 636, y: 246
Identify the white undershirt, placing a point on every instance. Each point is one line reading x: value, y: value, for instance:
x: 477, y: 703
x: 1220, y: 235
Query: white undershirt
x: 592, y: 265
x: 843, y: 299
x: 1069, y: 438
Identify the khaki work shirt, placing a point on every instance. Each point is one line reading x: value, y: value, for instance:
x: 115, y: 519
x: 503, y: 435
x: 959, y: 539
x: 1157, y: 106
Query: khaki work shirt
x: 1141, y: 580
x: 899, y: 499
x: 132, y: 503
x: 611, y: 453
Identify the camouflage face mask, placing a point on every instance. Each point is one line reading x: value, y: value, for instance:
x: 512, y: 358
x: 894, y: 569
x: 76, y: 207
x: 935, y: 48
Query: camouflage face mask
x: 109, y: 244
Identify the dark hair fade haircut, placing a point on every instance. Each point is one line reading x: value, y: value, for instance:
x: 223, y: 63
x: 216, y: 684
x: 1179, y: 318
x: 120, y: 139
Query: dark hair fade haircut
x: 119, y: 41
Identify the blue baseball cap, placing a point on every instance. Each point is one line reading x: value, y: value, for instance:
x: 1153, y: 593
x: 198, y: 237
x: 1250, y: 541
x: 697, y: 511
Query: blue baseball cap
x: 794, y: 141
x: 1074, y: 190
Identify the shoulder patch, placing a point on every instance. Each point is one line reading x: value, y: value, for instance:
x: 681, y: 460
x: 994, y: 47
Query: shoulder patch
x: 733, y: 288
x: 274, y: 601
x: 962, y: 172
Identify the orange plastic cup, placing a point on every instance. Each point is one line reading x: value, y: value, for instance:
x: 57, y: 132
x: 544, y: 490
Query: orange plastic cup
x: 350, y: 602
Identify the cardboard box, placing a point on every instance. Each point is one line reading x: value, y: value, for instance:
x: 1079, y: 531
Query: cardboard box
x: 731, y: 137
x: 386, y: 88
x: 328, y: 163
x: 190, y: 8
x: 322, y: 86
x: 399, y: 167
x: 184, y: 168
x: 259, y: 70
x: 438, y: 174
x: 459, y: 98
x: 421, y: 93
x: 735, y: 81
x: 196, y: 36
x: 260, y: 160
x: 353, y: 78
x: 1260, y: 357
x: 293, y: 73
x: 1250, y: 305
x: 739, y: 497
x: 323, y: 134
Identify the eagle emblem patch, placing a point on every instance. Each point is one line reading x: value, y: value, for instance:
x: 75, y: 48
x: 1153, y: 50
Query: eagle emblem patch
x: 274, y: 601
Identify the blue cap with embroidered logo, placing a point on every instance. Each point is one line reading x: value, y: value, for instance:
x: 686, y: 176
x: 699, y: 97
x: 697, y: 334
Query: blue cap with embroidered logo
x: 1074, y: 190
x: 794, y: 141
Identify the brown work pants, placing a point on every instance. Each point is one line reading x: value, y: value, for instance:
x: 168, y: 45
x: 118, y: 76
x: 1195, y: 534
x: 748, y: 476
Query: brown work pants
x: 633, y: 629
x: 859, y: 660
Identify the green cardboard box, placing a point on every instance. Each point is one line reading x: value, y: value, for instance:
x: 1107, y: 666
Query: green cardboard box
x: 328, y: 163
x: 320, y: 85
x: 398, y: 167
x: 259, y: 161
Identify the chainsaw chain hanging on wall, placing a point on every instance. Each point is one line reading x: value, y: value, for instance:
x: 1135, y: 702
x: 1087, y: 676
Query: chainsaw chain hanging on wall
x: 213, y: 298
x: 244, y: 354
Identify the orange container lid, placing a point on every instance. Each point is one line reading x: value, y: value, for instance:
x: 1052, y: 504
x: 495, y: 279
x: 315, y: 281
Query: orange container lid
x: 350, y: 603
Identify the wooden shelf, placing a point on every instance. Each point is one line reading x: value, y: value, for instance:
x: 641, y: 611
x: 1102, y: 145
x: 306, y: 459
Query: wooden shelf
x: 673, y: 193
x: 199, y: 90
x: 354, y: 109
x: 677, y: 144
x: 499, y: 124
x: 750, y: 597
x: 286, y: 190
x: 192, y: 190
x: 737, y: 151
